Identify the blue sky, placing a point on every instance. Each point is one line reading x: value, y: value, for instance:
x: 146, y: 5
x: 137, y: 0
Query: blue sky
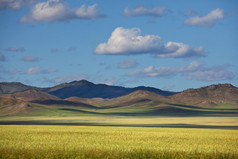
x: 171, y: 45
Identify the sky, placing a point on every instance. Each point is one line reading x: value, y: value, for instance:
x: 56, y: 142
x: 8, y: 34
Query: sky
x: 171, y: 45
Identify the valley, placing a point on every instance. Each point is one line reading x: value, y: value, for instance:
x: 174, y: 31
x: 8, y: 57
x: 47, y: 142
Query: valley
x: 140, y: 123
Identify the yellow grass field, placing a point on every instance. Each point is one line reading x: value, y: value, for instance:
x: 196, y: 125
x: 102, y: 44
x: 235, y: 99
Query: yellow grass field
x: 42, y: 141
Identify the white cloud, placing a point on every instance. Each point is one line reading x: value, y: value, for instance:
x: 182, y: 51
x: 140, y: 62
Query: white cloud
x: 180, y: 50
x: 127, y: 64
x: 110, y: 81
x: 167, y: 88
x: 194, y: 71
x: 142, y: 11
x: 153, y: 71
x: 30, y: 59
x: 130, y: 41
x: 2, y: 57
x: 208, y: 20
x: 191, y: 13
x: 39, y: 70
x: 211, y: 74
x: 13, y: 4
x: 57, y: 10
x: 15, y: 49
x: 34, y: 70
x: 89, y: 12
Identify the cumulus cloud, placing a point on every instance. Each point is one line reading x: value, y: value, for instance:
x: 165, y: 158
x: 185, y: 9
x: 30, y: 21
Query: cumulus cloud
x: 180, y: 50
x: 15, y: 49
x: 130, y: 41
x: 208, y: 20
x: 89, y: 12
x: 30, y: 59
x: 109, y: 81
x: 39, y: 70
x: 191, y: 13
x: 153, y: 71
x: 193, y: 71
x: 2, y: 58
x: 142, y: 11
x: 57, y: 10
x: 127, y: 64
x: 13, y: 4
x: 216, y: 73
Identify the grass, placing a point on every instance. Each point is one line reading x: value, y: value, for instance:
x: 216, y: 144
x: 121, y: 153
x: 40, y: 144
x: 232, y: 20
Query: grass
x: 115, y: 142
x: 182, y: 122
x: 133, y: 131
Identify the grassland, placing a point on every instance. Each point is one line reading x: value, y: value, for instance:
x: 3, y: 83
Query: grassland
x: 115, y: 142
x: 110, y: 130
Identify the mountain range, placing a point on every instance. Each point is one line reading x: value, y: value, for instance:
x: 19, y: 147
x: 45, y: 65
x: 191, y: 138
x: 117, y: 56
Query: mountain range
x: 97, y: 99
x: 83, y: 89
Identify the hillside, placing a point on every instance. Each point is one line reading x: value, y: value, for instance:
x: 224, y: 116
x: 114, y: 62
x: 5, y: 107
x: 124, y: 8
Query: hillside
x: 11, y: 106
x: 30, y: 95
x: 138, y: 97
x: 92, y: 101
x: 210, y: 95
x: 85, y: 89
x: 212, y: 100
x: 12, y: 87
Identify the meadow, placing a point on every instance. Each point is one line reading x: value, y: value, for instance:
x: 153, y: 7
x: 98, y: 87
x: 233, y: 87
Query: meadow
x: 68, y: 141
x: 129, y: 131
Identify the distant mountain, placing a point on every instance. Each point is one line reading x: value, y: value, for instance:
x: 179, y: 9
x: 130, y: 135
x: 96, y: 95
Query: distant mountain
x: 85, y: 89
x: 221, y: 99
x: 30, y: 95
x: 12, y: 87
x: 210, y: 95
x: 90, y: 93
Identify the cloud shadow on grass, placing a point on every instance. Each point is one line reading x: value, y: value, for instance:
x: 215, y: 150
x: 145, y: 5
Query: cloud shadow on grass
x: 48, y: 122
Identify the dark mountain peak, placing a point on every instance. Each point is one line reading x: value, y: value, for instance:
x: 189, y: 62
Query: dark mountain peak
x: 70, y: 84
x: 81, y: 82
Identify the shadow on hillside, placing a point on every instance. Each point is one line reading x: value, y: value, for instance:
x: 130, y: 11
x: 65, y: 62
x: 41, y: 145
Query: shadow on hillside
x: 45, y: 122
x: 166, y: 111
x: 203, y: 108
x: 64, y: 103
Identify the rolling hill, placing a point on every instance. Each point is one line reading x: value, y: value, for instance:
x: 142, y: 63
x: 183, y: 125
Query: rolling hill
x: 85, y: 89
x: 30, y: 95
x: 12, y: 87
x: 211, y: 100
x: 225, y: 94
